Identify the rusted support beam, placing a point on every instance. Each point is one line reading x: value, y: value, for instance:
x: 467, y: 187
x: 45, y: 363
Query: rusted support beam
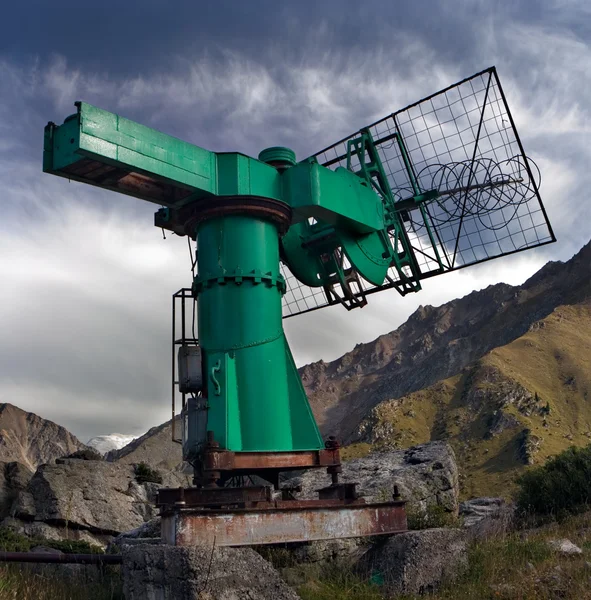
x: 213, y: 496
x: 298, y: 522
x: 224, y: 460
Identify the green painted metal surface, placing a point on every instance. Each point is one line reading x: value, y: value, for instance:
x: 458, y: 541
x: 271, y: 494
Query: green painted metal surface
x: 100, y: 148
x: 339, y: 198
x: 339, y: 228
x: 255, y: 399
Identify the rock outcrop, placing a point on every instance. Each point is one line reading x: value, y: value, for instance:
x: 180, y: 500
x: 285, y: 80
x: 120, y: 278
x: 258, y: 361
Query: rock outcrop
x: 156, y: 449
x: 425, y: 475
x: 487, y: 517
x: 96, y: 496
x: 31, y: 440
x: 417, y: 562
x: 39, y: 529
x: 199, y: 573
x: 14, y: 477
x: 437, y: 343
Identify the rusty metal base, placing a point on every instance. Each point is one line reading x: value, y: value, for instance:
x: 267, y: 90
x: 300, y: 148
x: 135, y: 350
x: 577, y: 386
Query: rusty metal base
x: 297, y: 521
x: 215, y: 514
x: 217, y: 465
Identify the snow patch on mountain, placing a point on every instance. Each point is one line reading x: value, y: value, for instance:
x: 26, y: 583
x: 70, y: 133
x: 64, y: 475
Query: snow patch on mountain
x: 113, y: 441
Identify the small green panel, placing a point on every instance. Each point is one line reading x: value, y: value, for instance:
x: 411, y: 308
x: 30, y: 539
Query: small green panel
x: 239, y: 174
x: 303, y: 424
x: 64, y: 145
x: 370, y: 254
x: 339, y: 197
x: 222, y: 397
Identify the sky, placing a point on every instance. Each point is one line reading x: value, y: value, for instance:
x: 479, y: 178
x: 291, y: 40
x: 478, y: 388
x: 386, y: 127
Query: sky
x: 86, y: 280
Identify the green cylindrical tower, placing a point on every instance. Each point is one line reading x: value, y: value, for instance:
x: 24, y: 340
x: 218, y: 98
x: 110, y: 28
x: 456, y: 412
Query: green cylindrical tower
x: 255, y: 399
x: 239, y: 294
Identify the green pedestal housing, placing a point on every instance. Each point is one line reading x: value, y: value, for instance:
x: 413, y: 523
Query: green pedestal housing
x: 240, y: 210
x: 256, y: 401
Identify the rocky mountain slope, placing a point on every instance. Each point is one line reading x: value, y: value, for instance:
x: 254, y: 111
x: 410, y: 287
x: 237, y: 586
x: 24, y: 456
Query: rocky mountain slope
x: 503, y: 374
x: 437, y: 343
x: 157, y: 449
x: 31, y: 440
x: 515, y: 406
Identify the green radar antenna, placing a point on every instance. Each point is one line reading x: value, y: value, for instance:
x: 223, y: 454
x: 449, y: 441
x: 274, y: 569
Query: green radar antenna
x: 437, y: 186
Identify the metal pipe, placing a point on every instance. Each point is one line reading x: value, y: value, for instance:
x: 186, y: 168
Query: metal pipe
x: 47, y: 557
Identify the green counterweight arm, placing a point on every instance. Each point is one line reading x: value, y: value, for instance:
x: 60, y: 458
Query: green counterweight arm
x: 237, y: 208
x: 103, y: 149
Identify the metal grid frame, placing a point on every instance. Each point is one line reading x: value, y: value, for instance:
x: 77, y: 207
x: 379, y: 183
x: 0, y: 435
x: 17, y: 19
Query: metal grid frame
x: 463, y: 142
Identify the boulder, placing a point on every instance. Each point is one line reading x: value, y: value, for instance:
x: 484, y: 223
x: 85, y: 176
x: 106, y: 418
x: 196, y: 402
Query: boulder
x: 564, y: 546
x: 486, y: 517
x: 326, y: 551
x: 417, y: 562
x: 425, y: 475
x: 200, y: 573
x: 14, y: 477
x: 97, y: 496
x: 476, y: 509
x: 147, y: 533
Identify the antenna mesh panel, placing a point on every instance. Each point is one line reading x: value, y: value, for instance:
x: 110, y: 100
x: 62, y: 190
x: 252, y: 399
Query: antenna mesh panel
x: 463, y: 143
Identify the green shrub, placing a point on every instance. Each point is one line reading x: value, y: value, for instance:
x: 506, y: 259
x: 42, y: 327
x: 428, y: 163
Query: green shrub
x: 51, y: 584
x: 144, y: 473
x: 10, y: 541
x: 339, y: 583
x: 558, y: 488
x: 86, y: 454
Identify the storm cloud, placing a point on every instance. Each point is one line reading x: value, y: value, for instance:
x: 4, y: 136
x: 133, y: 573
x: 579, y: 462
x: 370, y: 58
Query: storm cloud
x: 86, y: 280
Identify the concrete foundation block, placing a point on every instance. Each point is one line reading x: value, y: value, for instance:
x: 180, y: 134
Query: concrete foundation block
x: 200, y: 573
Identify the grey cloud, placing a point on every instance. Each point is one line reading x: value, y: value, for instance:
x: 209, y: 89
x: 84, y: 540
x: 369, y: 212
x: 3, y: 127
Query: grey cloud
x: 85, y: 301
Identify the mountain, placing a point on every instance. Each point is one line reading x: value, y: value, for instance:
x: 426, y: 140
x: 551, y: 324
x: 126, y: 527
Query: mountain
x: 157, y: 449
x: 437, y: 343
x: 515, y: 406
x: 112, y: 441
x: 31, y: 440
x: 503, y: 374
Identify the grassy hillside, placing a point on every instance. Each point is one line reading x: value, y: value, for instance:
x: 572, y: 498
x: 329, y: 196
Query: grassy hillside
x: 516, y: 406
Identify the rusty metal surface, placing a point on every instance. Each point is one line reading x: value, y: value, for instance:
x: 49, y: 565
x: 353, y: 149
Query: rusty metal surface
x: 224, y: 460
x: 183, y: 220
x: 278, y: 525
x: 213, y: 496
